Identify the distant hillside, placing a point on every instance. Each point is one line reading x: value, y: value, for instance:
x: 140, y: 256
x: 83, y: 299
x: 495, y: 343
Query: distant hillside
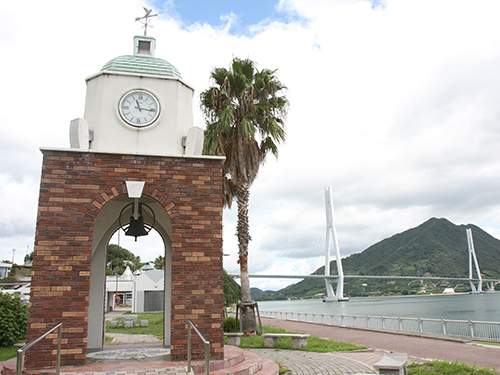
x: 260, y: 295
x: 232, y: 291
x: 434, y: 248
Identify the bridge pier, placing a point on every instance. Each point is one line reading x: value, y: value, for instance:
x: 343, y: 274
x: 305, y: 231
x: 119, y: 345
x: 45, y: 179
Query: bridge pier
x: 490, y: 285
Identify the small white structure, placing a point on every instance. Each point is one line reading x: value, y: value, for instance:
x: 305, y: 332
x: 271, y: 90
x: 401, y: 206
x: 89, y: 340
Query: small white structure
x: 119, y: 290
x: 147, y: 267
x: 143, y: 292
x: 23, y: 292
x: 148, y: 292
x: 4, y: 269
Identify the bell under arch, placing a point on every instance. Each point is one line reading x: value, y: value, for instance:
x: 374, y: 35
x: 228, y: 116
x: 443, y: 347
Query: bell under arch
x: 105, y: 225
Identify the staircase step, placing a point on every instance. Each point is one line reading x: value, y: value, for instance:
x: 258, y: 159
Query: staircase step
x: 232, y: 357
x: 269, y: 367
x: 253, y: 364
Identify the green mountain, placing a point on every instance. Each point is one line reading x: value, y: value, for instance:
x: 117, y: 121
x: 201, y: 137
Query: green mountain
x: 434, y: 248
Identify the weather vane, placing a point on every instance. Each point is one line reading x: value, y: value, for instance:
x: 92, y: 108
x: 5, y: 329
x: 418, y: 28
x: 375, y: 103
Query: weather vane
x: 146, y: 19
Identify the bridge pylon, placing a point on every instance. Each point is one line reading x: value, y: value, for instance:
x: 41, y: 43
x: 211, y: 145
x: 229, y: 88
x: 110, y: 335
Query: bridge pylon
x: 331, y: 239
x: 476, y: 285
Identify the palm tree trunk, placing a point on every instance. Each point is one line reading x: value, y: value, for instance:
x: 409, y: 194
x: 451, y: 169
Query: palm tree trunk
x: 243, y: 234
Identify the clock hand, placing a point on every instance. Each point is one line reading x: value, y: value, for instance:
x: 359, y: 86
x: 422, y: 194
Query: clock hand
x: 138, y: 106
x: 145, y: 109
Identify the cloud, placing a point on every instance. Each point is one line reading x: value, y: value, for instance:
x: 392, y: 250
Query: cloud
x: 394, y: 104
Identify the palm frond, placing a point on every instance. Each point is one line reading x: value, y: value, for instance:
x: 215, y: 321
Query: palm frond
x: 242, y: 104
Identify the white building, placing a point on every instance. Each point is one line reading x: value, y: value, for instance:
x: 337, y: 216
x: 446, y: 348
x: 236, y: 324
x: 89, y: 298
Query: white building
x: 23, y: 292
x: 4, y: 269
x: 148, y: 292
x: 143, y: 292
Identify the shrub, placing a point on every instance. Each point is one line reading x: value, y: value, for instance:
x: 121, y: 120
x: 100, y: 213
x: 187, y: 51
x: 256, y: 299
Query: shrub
x: 229, y: 324
x: 13, y: 319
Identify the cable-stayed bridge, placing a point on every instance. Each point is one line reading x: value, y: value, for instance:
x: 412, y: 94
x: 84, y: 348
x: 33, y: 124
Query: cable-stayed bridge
x: 476, y: 281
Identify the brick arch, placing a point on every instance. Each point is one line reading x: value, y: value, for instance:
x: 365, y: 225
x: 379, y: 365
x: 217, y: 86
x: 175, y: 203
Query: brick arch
x: 118, y: 191
x: 74, y: 187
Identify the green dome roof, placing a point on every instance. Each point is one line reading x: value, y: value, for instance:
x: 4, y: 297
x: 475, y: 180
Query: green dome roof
x: 142, y: 65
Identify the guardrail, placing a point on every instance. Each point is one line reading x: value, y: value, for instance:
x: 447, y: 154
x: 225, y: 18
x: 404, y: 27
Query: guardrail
x: 207, y: 348
x: 25, y: 348
x: 474, y: 330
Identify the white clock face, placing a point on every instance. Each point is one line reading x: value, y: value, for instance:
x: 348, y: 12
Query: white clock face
x: 139, y: 108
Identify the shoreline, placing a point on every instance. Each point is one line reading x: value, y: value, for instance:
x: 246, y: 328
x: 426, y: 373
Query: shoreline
x: 476, y: 307
x: 372, y: 297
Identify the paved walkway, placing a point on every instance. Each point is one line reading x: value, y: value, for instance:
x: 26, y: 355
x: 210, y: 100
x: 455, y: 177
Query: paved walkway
x: 417, y: 348
x: 309, y: 363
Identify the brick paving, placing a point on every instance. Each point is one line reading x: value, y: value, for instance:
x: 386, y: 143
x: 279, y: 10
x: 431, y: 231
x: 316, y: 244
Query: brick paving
x: 309, y: 363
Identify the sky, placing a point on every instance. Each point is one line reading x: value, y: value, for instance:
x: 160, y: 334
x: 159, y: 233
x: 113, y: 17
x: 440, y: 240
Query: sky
x: 395, y: 104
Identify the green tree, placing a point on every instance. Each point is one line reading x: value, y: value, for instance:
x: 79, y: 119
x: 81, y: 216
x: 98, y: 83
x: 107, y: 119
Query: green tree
x: 119, y: 258
x: 159, y: 262
x: 29, y: 257
x: 245, y: 109
x: 13, y: 319
x: 232, y: 291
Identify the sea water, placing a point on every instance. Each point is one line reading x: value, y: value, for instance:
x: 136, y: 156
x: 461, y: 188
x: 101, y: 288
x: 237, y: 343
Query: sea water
x: 477, y: 307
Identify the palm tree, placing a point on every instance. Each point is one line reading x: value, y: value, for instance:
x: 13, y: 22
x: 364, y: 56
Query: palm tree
x: 245, y: 112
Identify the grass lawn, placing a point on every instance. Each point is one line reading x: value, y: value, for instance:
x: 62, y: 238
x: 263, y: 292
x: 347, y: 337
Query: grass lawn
x: 448, y: 368
x: 7, y: 352
x: 314, y: 344
x: 155, y: 325
x: 489, y: 343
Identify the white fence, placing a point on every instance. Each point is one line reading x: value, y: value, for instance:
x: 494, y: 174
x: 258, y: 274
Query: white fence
x: 438, y: 327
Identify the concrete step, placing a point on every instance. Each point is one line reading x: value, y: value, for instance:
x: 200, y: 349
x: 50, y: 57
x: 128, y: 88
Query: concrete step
x: 269, y: 367
x: 252, y: 364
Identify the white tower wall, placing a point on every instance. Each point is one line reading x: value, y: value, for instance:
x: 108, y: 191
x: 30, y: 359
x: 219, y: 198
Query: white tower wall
x: 112, y: 133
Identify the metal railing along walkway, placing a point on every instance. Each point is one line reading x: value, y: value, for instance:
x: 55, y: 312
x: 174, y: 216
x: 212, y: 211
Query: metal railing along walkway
x: 473, y: 330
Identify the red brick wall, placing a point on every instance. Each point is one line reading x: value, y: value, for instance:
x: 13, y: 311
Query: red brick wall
x: 74, y: 187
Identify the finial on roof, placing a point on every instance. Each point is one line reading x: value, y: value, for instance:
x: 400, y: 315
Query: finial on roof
x: 146, y: 19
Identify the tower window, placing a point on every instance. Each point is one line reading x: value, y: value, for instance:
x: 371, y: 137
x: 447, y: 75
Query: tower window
x: 144, y: 47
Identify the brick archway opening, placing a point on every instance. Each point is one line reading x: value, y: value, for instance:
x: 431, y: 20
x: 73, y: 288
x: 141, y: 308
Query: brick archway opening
x: 105, y: 225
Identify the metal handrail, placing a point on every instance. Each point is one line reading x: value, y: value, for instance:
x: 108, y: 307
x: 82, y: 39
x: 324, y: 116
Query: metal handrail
x: 207, y: 348
x: 25, y: 348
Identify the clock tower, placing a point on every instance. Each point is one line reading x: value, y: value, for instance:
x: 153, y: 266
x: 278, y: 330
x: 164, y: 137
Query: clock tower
x: 134, y: 154
x: 138, y: 104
